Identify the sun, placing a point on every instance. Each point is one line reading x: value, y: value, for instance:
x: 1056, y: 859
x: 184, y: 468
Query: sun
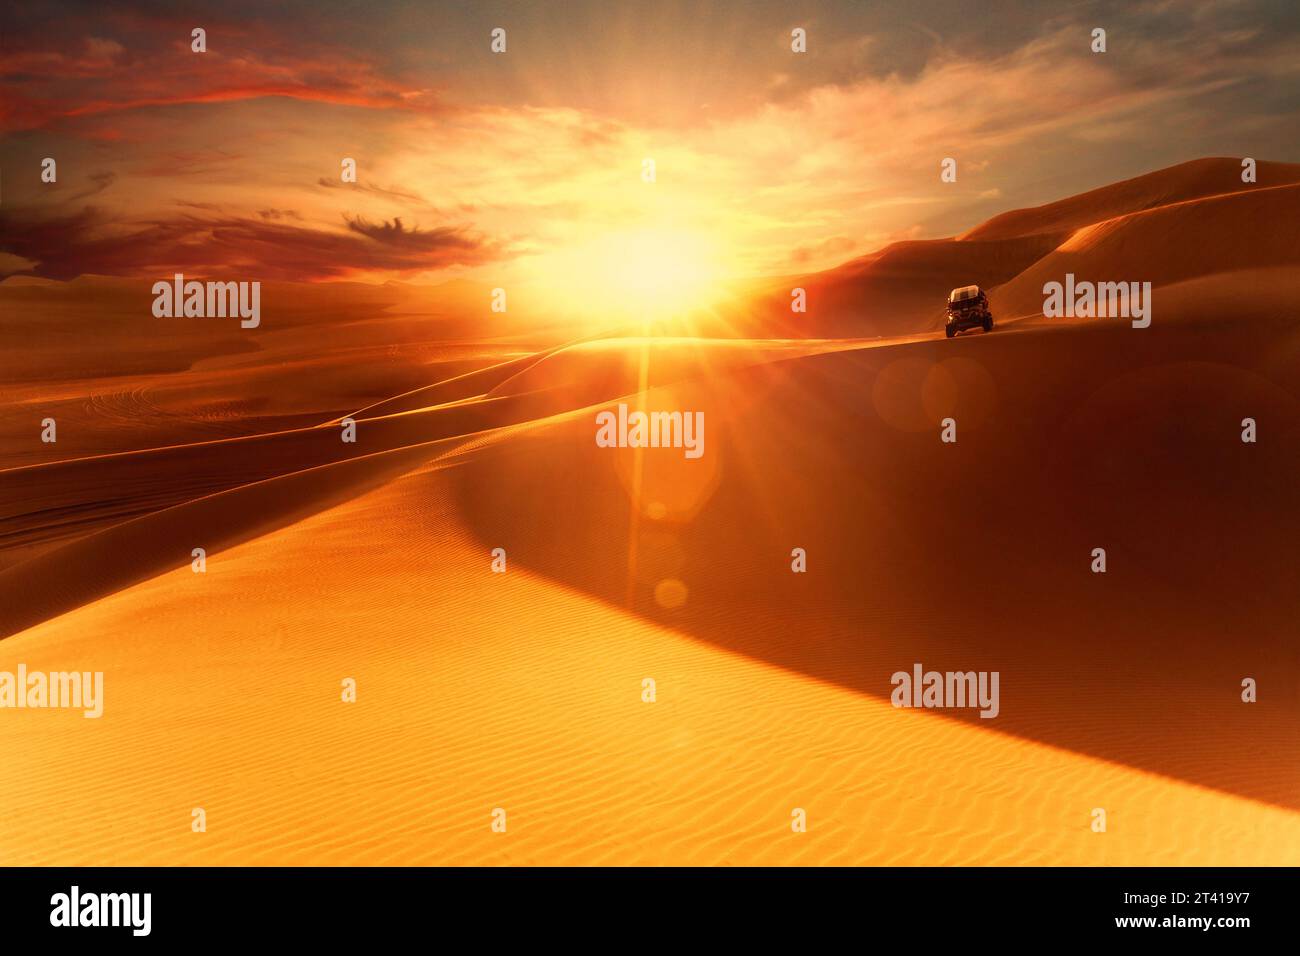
x: 644, y: 274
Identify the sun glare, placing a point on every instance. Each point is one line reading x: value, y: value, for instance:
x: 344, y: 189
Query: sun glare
x: 642, y: 274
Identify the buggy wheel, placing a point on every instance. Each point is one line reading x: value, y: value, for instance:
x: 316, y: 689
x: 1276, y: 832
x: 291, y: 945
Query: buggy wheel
x: 949, y: 331
x: 988, y: 323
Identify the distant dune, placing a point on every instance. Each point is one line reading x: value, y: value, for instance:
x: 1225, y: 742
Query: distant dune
x: 901, y: 290
x: 1197, y: 179
x: 523, y: 690
x: 1192, y: 239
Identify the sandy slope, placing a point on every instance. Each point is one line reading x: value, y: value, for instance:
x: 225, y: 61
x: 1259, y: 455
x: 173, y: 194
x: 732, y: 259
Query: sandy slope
x: 1197, y: 179
x: 462, y: 710
x: 1221, y: 234
x: 522, y: 690
x: 45, y: 505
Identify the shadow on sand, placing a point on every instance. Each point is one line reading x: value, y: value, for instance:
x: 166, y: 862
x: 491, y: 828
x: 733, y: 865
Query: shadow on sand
x: 974, y: 555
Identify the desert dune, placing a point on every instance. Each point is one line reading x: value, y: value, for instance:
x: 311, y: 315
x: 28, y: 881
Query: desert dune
x: 523, y: 690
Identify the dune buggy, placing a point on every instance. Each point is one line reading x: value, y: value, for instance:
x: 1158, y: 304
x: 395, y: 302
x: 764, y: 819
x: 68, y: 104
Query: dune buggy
x: 968, y: 307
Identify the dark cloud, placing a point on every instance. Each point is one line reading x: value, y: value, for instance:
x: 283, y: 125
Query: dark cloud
x: 396, y: 236
x: 67, y: 246
x: 280, y: 214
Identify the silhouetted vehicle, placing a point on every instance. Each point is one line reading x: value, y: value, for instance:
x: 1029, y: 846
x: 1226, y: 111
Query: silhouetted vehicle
x: 968, y: 307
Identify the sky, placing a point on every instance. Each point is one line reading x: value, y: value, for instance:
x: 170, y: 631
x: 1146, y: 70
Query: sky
x: 527, y: 165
